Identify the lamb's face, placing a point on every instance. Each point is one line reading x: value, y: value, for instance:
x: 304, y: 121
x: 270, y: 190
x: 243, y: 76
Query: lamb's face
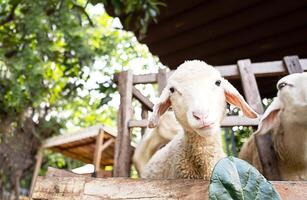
x: 290, y: 105
x: 198, y: 94
x: 197, y: 98
x: 292, y: 94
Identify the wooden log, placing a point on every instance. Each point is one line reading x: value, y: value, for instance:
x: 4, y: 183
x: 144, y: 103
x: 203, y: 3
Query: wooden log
x: 53, y: 188
x: 97, y: 152
x: 250, y: 86
x: 122, y: 154
x: 267, y: 156
x: 228, y: 121
x: 142, y: 99
x: 292, y: 64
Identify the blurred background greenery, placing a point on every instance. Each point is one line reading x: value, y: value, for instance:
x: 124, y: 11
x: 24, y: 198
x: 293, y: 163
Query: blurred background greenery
x: 57, y: 60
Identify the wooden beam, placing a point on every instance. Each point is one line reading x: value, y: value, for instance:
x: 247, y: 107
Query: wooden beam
x: 39, y: 159
x: 250, y: 86
x: 97, y: 152
x: 142, y: 99
x: 273, y: 68
x: 144, y: 115
x: 138, y: 123
x: 145, y: 78
x: 228, y: 121
x: 122, y: 154
x: 107, y: 144
x: 268, y: 157
x: 54, y: 188
x: 292, y: 64
x: 162, y: 79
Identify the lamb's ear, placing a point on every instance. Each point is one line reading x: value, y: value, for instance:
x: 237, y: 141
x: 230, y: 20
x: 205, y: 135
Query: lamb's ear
x: 235, y: 98
x: 270, y: 117
x: 160, y: 108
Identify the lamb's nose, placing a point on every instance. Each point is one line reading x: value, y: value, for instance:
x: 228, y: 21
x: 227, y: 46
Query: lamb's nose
x: 200, y: 116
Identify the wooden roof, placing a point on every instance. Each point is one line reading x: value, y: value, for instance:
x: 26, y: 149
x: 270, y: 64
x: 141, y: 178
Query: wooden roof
x: 222, y: 32
x: 80, y: 145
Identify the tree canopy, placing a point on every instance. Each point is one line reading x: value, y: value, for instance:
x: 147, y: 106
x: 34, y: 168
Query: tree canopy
x: 48, y: 75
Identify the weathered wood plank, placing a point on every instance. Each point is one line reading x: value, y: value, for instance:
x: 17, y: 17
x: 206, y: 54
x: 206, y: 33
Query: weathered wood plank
x: 292, y: 64
x: 122, y: 188
x: 250, y: 86
x: 268, y: 157
x: 97, y: 152
x: 229, y: 121
x: 56, y: 188
x: 144, y: 115
x: 122, y: 154
x: 144, y: 100
x: 107, y: 144
x: 145, y: 78
x: 273, y: 68
x: 162, y: 79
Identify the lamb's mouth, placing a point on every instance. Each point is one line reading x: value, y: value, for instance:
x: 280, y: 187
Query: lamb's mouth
x: 206, y: 126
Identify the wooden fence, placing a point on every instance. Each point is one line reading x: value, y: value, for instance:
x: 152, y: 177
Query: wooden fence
x: 244, y: 69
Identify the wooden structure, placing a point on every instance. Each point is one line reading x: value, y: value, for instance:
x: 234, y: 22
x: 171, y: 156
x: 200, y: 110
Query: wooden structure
x: 222, y: 32
x: 244, y: 70
x: 90, y: 145
x: 67, y: 186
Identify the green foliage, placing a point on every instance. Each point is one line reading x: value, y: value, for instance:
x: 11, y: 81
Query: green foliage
x: 233, y: 178
x: 57, y: 60
x: 136, y: 15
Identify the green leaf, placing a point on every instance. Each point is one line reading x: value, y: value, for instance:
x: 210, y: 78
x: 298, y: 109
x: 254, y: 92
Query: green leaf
x: 233, y: 178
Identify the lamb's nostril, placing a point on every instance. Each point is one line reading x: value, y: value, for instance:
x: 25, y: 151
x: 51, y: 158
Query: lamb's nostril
x: 197, y: 115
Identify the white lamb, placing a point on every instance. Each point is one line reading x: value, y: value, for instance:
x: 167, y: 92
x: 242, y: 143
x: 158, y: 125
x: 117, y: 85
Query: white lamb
x: 286, y: 120
x: 155, y: 139
x: 198, y: 94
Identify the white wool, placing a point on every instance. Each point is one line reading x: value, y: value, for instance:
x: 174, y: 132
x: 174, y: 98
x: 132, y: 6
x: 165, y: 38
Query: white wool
x: 156, y: 138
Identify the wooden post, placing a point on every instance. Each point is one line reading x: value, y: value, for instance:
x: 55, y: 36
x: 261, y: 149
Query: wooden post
x: 162, y: 79
x: 39, y: 159
x: 97, y: 153
x: 292, y: 64
x: 268, y: 157
x: 144, y: 115
x: 122, y: 154
x: 264, y: 143
x: 249, y: 84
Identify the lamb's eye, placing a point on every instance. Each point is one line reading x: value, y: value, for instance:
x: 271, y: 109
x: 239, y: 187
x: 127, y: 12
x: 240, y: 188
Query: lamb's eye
x: 172, y: 90
x: 281, y: 85
x: 218, y: 82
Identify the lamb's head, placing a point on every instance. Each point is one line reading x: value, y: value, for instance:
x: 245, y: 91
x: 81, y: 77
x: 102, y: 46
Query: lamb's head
x: 198, y: 94
x: 290, y: 105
